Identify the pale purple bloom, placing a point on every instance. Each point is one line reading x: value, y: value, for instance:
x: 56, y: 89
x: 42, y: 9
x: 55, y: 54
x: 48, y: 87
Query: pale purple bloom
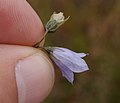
x: 68, y: 61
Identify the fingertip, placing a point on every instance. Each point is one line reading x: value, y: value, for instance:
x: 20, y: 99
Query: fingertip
x: 19, y: 24
x: 35, y: 78
x: 26, y: 71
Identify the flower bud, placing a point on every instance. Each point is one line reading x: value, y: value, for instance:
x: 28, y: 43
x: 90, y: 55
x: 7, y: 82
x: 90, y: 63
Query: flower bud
x: 56, y: 20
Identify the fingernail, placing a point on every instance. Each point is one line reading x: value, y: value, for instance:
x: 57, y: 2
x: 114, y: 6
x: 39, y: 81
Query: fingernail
x: 34, y: 78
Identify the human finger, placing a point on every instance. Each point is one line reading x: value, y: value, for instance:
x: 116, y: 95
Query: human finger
x: 26, y: 74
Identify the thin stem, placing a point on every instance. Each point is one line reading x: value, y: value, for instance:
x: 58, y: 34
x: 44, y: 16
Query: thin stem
x: 38, y: 44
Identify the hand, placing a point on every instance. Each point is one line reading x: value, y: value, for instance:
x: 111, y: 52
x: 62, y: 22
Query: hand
x: 26, y: 73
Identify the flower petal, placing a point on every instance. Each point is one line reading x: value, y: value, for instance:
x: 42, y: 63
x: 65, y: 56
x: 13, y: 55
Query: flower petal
x: 82, y: 54
x: 69, y: 52
x: 66, y: 72
x: 73, y: 62
x: 59, y: 17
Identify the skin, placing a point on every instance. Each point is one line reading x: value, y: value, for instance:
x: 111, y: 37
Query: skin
x: 20, y: 27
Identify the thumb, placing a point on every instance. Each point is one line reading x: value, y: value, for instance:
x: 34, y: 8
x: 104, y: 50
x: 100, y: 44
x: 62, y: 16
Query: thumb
x: 33, y: 77
x: 29, y: 74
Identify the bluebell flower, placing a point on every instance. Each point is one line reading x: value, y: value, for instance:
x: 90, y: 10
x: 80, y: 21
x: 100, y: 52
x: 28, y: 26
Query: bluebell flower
x: 68, y: 61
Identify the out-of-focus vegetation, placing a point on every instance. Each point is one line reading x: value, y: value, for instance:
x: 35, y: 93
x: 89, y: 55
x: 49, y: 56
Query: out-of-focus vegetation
x: 94, y: 27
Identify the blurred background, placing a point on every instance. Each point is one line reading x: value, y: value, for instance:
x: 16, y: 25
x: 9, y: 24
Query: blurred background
x: 94, y: 28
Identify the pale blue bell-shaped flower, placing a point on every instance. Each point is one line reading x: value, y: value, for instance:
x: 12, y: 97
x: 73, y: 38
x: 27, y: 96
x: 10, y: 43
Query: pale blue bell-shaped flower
x: 68, y: 61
